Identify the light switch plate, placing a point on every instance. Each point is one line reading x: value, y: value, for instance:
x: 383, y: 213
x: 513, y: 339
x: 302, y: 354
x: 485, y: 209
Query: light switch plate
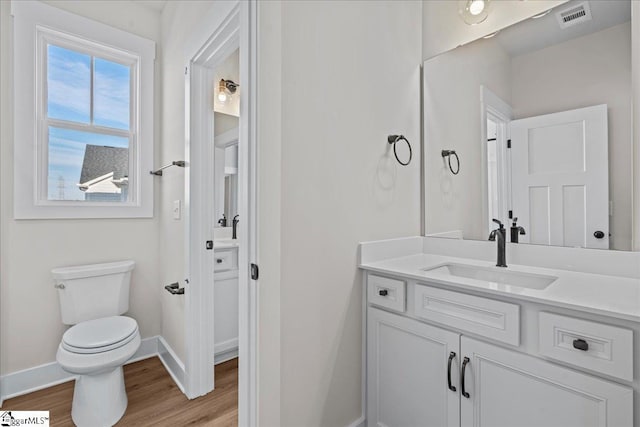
x: 177, y: 209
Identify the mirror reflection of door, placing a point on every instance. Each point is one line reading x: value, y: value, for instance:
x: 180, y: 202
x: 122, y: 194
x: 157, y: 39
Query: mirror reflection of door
x: 560, y: 177
x: 498, y: 114
x: 568, y: 178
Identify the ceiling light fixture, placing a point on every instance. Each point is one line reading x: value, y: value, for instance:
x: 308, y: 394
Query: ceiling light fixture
x: 473, y: 12
x: 226, y: 88
x: 540, y: 15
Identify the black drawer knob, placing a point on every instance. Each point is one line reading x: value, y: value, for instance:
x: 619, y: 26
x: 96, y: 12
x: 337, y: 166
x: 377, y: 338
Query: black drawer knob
x: 580, y: 344
x: 219, y: 260
x: 598, y: 234
x: 383, y: 292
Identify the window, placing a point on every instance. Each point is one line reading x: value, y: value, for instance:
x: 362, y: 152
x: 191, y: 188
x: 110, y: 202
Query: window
x: 83, y: 117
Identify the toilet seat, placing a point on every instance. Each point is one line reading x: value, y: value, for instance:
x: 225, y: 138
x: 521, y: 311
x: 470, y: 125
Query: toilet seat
x: 100, y: 335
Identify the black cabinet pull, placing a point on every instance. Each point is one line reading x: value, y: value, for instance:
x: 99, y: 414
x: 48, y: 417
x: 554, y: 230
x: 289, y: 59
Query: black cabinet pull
x: 464, y: 368
x: 580, y: 344
x: 383, y: 292
x: 219, y: 260
x: 452, y: 356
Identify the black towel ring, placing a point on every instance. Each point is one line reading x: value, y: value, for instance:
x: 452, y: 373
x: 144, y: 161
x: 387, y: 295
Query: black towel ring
x: 448, y: 154
x: 392, y: 139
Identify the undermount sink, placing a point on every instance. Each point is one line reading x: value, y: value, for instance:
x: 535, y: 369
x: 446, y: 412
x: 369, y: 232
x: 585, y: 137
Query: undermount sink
x: 495, y: 275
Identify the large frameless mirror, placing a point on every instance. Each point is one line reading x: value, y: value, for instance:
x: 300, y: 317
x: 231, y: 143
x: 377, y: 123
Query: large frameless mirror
x: 532, y: 126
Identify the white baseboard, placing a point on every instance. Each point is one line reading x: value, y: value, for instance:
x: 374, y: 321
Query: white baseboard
x: 148, y: 348
x: 172, y: 363
x: 225, y: 351
x: 226, y: 346
x: 360, y: 422
x: 225, y: 356
x: 50, y: 374
x: 33, y: 379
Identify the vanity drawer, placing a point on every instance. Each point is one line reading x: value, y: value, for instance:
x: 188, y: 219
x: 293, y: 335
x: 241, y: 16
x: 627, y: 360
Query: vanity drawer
x: 385, y: 292
x: 486, y: 317
x: 591, y: 345
x: 224, y: 259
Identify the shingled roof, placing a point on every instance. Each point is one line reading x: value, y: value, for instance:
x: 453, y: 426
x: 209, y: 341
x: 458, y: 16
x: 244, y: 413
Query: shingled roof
x: 101, y: 160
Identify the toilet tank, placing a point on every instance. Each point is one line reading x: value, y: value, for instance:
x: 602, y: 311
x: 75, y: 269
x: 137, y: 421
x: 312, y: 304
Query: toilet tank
x: 88, y: 292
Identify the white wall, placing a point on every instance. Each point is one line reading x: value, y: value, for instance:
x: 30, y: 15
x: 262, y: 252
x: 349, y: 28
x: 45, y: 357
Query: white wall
x: 452, y: 122
x: 590, y: 70
x: 443, y: 29
x: 177, y: 20
x: 31, y: 327
x: 339, y: 185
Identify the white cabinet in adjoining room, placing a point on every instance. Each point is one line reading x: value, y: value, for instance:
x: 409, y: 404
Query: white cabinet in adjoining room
x: 226, y: 303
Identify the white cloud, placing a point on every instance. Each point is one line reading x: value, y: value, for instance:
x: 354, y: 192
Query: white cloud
x: 69, y: 81
x: 111, y: 99
x: 66, y: 153
x: 69, y: 85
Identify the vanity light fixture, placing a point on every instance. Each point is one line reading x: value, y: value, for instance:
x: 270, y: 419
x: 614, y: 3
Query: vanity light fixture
x: 226, y: 88
x: 473, y: 12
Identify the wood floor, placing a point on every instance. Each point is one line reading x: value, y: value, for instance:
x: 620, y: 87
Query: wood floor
x: 154, y: 399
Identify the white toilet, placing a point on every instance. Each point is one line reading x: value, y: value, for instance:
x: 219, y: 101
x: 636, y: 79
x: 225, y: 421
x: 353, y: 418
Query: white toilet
x: 93, y: 297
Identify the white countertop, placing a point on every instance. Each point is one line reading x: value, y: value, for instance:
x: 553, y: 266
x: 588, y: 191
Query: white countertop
x: 225, y: 243
x: 611, y: 296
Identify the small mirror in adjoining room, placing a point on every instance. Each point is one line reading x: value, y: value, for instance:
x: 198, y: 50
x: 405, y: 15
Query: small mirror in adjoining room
x: 226, y: 120
x: 532, y: 126
x: 226, y: 168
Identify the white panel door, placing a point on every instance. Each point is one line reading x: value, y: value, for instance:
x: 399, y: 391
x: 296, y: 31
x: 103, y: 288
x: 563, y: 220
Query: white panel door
x: 510, y: 389
x: 560, y: 178
x: 407, y: 365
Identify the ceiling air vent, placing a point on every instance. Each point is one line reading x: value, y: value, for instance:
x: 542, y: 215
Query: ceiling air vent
x: 574, y: 15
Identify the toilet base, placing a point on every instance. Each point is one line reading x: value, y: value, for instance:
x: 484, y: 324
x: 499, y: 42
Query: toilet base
x: 99, y: 400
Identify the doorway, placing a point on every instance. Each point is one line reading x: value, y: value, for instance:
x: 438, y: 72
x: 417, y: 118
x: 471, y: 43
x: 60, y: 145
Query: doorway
x: 231, y: 28
x: 495, y: 115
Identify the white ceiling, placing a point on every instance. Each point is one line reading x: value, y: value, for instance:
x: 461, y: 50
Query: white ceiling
x: 156, y: 5
x: 535, y: 34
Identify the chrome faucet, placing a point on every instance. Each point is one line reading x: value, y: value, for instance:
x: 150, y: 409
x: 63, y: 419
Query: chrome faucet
x: 500, y: 234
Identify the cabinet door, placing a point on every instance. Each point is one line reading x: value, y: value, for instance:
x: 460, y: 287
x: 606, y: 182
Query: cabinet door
x: 407, y: 373
x: 225, y: 312
x: 510, y: 389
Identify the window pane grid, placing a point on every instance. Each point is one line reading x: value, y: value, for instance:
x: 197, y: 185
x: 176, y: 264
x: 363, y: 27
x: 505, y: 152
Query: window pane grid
x: 87, y: 128
x: 87, y: 156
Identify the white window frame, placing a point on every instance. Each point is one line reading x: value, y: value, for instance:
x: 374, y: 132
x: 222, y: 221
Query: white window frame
x: 35, y: 25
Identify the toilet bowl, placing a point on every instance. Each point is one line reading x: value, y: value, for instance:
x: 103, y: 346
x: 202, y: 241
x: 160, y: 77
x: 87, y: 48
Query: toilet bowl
x: 95, y: 350
x: 93, y: 299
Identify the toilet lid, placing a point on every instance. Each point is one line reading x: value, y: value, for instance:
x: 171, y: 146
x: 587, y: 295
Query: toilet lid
x: 98, y: 335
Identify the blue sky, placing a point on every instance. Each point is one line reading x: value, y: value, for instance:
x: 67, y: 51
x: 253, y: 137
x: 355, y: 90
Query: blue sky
x: 69, y: 86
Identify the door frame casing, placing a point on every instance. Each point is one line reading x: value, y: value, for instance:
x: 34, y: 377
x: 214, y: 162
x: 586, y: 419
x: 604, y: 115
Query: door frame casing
x: 227, y: 26
x: 492, y: 106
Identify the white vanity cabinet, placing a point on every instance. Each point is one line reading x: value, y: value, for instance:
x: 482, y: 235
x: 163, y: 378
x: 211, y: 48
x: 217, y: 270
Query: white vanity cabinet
x: 428, y: 365
x: 507, y: 388
x: 225, y: 303
x: 407, y: 372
